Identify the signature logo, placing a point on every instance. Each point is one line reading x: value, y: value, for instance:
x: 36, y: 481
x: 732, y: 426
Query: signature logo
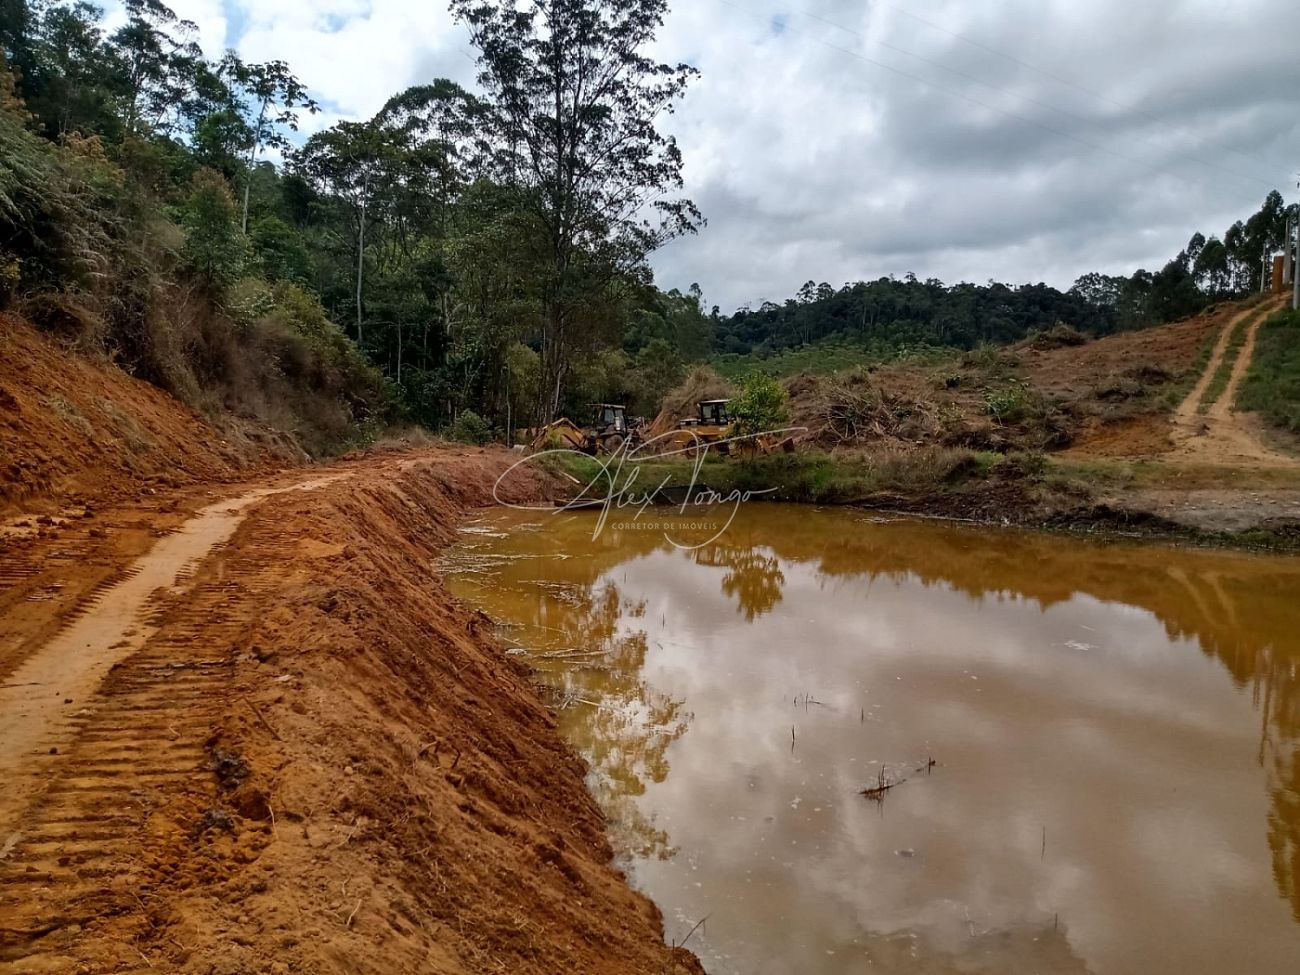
x: 616, y: 487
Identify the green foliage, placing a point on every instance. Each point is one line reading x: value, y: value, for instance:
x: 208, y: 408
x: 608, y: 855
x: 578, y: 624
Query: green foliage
x: 659, y: 368
x: 471, y: 428
x: 762, y: 406
x: 595, y: 174
x: 823, y: 358
x: 215, y: 247
x: 55, y: 217
x: 1272, y: 386
x: 488, y: 253
x: 280, y: 251
x: 1010, y: 403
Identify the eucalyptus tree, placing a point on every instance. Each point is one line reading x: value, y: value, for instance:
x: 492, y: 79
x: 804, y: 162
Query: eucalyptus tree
x: 271, y: 96
x: 159, y: 58
x: 434, y: 131
x: 574, y: 101
x: 348, y: 163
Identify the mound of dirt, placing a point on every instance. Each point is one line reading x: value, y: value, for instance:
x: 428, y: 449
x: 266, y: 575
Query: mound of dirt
x: 73, y: 427
x: 1150, y: 357
x: 346, y: 773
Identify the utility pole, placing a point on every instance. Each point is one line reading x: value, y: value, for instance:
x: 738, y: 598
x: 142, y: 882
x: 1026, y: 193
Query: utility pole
x: 1286, y: 252
x: 1263, y: 273
x: 1295, y: 267
x: 1295, y: 262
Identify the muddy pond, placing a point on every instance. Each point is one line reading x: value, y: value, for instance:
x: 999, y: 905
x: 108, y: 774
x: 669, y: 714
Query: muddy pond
x: 1079, y: 756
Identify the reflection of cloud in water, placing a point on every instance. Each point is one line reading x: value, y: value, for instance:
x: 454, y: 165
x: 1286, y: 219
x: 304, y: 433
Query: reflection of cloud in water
x: 1098, y: 774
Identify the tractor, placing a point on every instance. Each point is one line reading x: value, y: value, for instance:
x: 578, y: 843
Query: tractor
x: 710, y: 428
x: 714, y: 429
x: 610, y: 429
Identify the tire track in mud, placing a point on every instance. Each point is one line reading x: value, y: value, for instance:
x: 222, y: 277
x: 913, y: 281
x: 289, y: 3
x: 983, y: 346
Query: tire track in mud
x: 104, y: 732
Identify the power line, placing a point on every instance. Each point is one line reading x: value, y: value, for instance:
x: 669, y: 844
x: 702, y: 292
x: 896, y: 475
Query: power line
x: 1028, y: 98
x: 965, y: 39
x: 1161, y: 170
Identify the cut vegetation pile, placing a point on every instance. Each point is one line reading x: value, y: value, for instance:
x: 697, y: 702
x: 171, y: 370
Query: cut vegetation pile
x: 1056, y: 389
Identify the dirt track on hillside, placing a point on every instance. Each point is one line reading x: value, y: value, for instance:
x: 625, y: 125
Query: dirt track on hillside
x: 253, y: 733
x: 1221, y: 436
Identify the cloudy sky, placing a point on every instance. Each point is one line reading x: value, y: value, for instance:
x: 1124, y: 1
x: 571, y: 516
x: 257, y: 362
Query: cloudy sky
x: 1023, y: 140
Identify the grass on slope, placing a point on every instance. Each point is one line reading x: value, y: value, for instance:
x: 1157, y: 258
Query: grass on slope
x: 1272, y: 386
x: 812, y: 477
x: 822, y: 358
x: 1180, y: 388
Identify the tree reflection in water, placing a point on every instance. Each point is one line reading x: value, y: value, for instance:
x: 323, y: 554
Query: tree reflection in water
x: 754, y: 578
x: 622, y: 725
x: 1240, y: 610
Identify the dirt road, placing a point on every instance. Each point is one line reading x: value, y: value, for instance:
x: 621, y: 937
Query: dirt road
x: 254, y: 734
x: 1220, y: 435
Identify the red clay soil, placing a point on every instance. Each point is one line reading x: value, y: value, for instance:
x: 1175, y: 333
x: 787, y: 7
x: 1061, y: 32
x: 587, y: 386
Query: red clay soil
x: 244, y: 728
x: 73, y: 427
x: 307, y: 758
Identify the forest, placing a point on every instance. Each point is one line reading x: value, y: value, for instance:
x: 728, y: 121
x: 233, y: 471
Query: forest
x: 468, y: 260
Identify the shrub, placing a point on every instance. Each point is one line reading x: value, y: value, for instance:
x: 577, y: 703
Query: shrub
x: 280, y: 252
x: 1031, y: 464
x: 1119, y: 388
x: 469, y: 427
x: 1059, y: 336
x: 215, y: 247
x: 762, y: 405
x: 50, y: 223
x: 1009, y: 403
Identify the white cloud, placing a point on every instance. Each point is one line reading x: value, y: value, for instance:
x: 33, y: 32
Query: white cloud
x: 355, y: 54
x: 210, y: 18
x: 839, y: 140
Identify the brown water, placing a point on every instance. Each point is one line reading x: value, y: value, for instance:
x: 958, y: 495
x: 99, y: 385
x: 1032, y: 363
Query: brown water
x: 1116, y: 729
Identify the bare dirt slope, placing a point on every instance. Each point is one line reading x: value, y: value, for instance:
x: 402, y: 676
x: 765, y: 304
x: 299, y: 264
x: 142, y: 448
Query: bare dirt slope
x: 1054, y: 391
x: 71, y: 427
x: 275, y: 744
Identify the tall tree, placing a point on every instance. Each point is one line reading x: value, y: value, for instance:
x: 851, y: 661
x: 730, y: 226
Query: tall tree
x: 346, y: 162
x: 159, y: 61
x: 272, y: 95
x: 574, y: 106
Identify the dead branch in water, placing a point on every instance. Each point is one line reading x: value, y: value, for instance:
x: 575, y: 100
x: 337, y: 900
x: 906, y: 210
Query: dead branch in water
x: 693, y: 930
x: 877, y: 792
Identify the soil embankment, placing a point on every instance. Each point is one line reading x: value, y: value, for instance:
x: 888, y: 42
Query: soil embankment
x: 270, y: 741
x: 244, y: 727
x: 74, y: 429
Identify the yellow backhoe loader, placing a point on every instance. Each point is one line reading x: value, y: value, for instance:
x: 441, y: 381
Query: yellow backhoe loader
x: 610, y: 429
